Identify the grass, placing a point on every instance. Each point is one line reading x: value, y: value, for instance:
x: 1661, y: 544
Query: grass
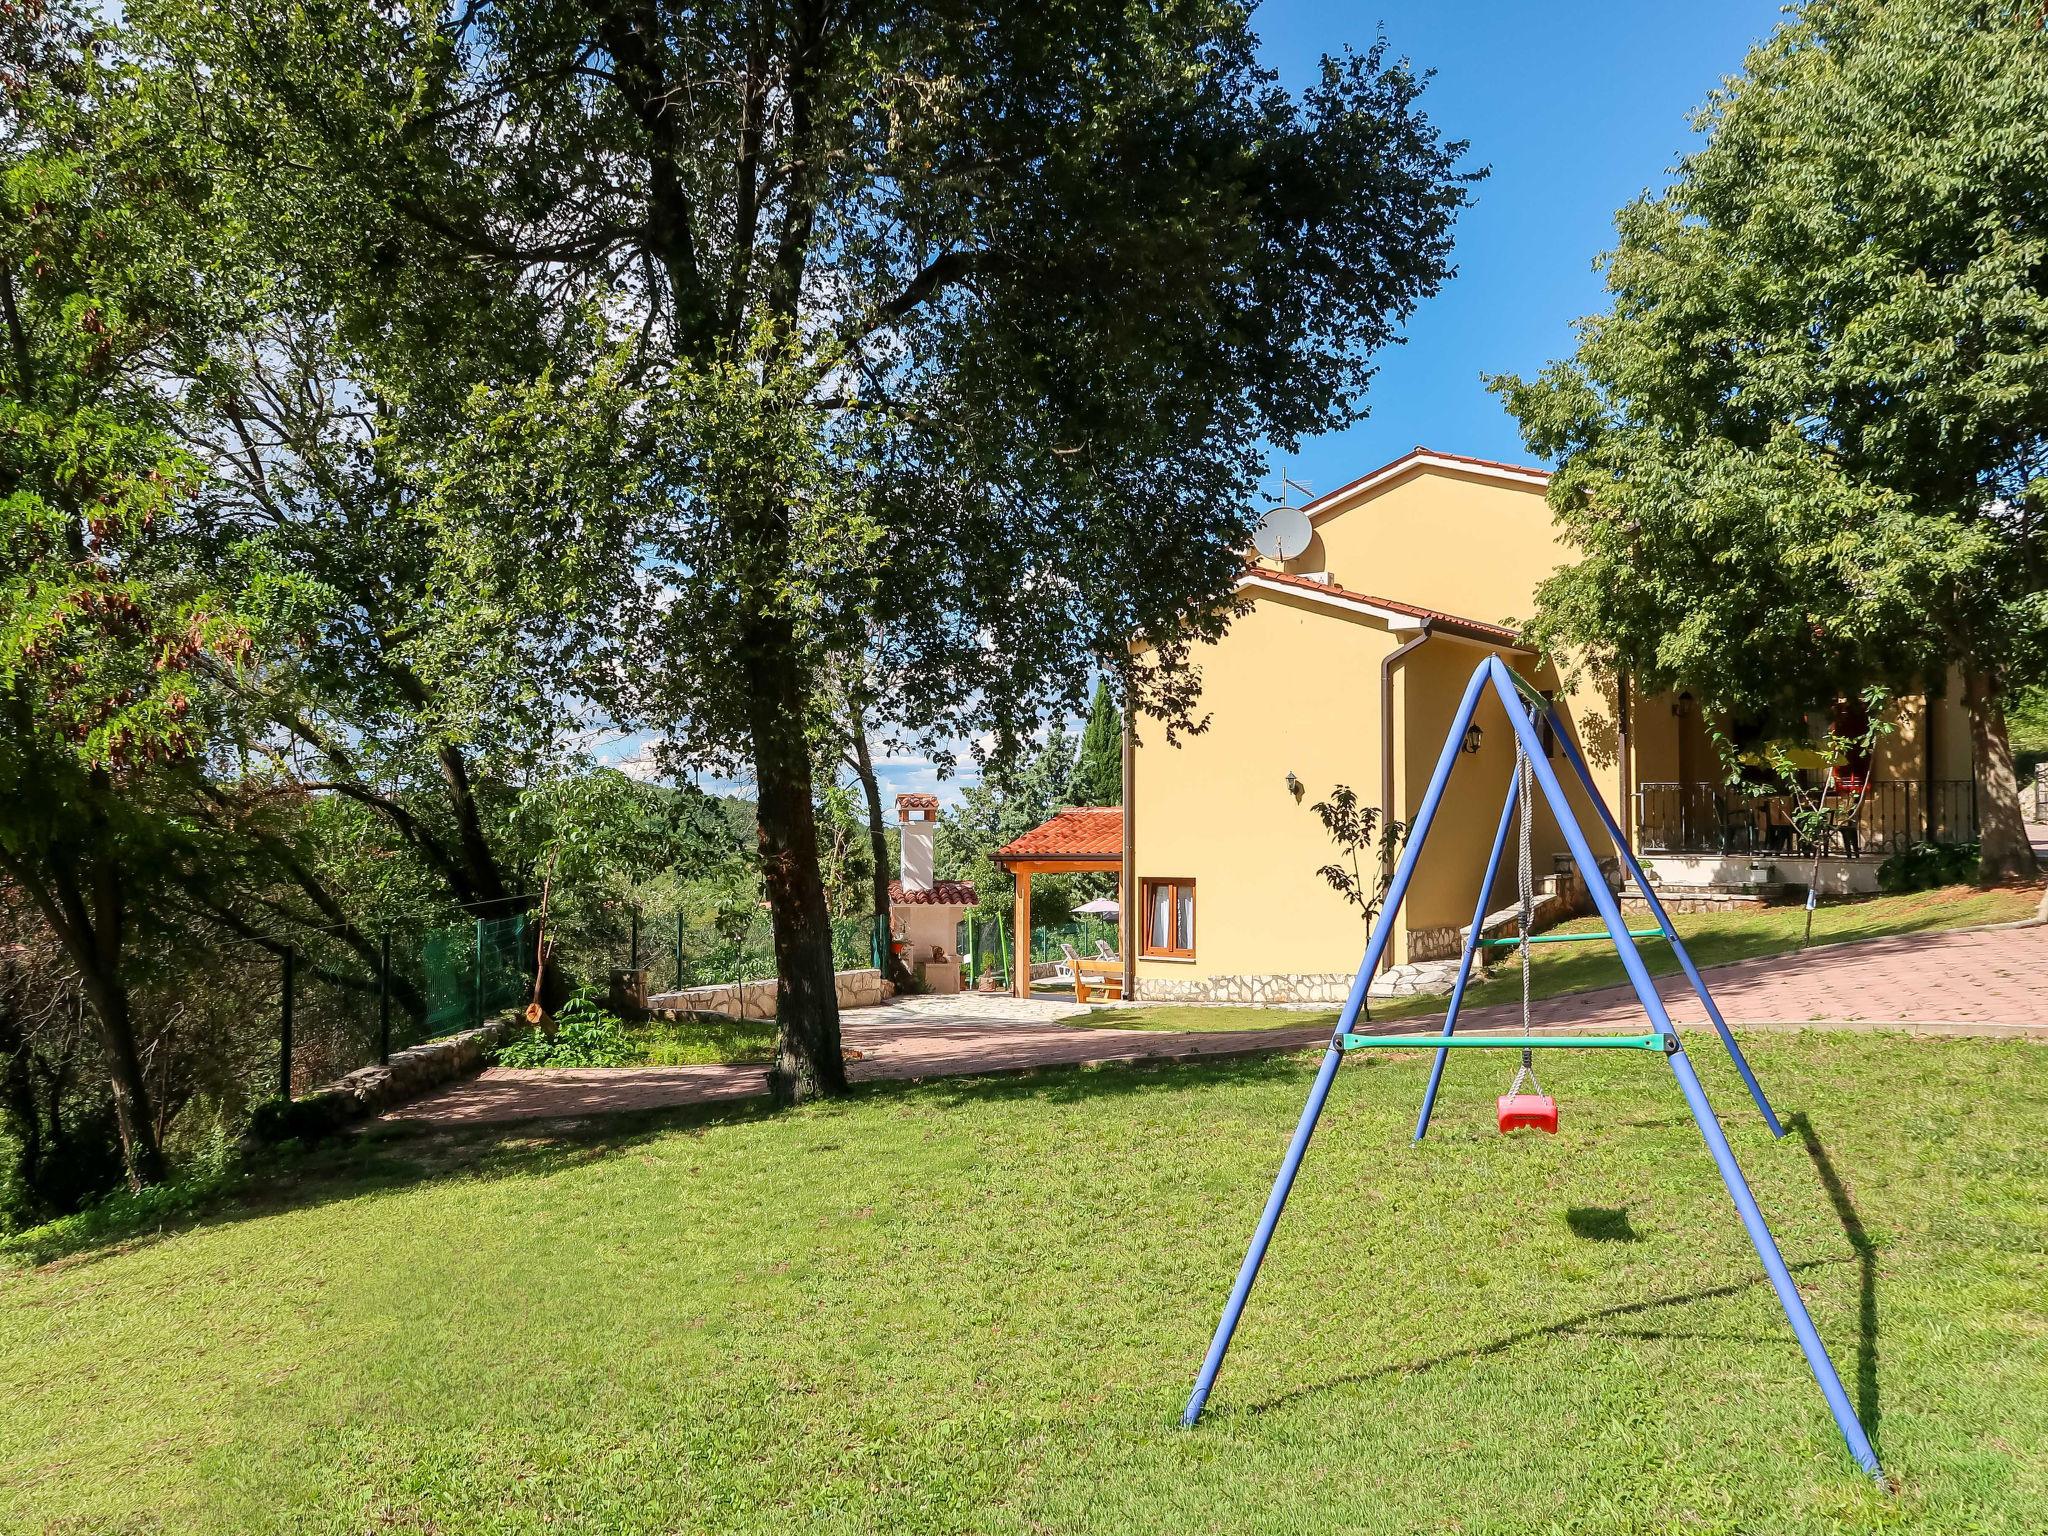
x: 1711, y: 939
x: 705, y: 1041
x: 976, y: 1306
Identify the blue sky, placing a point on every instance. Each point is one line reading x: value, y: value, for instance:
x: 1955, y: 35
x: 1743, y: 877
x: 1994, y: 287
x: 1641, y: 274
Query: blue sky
x: 1577, y: 108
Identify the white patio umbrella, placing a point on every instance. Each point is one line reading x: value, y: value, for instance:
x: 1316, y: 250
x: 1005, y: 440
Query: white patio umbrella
x: 1101, y: 906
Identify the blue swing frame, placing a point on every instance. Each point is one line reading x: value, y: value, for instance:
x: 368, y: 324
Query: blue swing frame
x: 1525, y: 708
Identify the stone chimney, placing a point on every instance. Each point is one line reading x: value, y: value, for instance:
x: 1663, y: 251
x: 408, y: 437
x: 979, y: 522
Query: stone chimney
x: 915, y: 817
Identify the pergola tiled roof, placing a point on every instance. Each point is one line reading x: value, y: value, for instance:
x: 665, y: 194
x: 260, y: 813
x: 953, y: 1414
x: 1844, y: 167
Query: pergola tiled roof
x: 1085, y: 839
x: 1089, y: 835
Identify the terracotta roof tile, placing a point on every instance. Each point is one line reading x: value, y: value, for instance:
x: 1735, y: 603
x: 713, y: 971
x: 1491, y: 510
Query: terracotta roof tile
x: 1477, y: 629
x: 917, y: 802
x: 1091, y: 832
x: 944, y: 893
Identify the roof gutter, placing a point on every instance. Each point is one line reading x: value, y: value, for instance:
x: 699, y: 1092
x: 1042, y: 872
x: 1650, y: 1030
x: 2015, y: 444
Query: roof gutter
x: 1387, y: 665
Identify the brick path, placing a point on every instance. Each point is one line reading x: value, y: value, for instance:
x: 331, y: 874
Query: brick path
x: 1991, y: 982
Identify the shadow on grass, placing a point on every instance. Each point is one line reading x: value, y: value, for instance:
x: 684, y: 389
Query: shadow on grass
x: 1579, y: 1323
x: 1600, y: 1224
x: 1867, y: 1403
x: 390, y: 1155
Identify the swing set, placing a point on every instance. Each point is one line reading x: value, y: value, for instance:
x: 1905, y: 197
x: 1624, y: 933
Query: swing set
x: 1535, y: 1109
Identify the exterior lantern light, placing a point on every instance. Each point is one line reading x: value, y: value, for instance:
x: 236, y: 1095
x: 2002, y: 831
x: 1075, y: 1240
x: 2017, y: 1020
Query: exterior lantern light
x: 1294, y: 786
x: 1473, y: 737
x: 1682, y: 706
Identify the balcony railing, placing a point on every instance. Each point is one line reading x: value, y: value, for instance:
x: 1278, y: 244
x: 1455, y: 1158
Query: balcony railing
x: 1712, y: 818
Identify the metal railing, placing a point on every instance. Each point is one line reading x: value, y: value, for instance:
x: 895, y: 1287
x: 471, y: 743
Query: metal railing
x: 1704, y: 817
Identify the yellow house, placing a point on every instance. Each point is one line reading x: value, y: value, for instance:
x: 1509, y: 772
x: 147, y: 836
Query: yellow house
x: 1346, y: 668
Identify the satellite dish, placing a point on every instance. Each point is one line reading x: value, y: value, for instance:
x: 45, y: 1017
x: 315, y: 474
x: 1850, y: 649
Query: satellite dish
x: 1282, y: 533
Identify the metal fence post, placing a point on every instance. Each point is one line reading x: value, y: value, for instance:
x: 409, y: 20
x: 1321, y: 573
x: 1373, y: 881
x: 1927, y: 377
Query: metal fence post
x: 679, y: 949
x: 384, y: 1000
x: 633, y: 953
x: 284, y: 1033
x: 476, y: 977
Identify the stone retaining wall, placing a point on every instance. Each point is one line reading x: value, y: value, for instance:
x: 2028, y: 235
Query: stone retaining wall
x: 756, y: 999
x: 368, y: 1091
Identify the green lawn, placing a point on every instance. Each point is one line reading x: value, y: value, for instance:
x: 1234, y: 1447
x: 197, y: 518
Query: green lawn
x: 1555, y: 969
x: 705, y: 1041
x: 976, y: 1306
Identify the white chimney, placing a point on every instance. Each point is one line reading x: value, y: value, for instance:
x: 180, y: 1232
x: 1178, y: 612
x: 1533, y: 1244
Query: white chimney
x: 915, y: 815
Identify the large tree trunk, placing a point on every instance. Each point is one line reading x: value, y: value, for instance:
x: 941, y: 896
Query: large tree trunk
x: 2001, y: 829
x: 878, y: 840
x: 92, y: 941
x: 808, y: 1063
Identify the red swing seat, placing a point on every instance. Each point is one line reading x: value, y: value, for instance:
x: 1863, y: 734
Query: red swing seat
x: 1526, y: 1112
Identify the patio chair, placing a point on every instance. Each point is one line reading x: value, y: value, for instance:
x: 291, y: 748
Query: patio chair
x: 1103, y: 951
x: 1068, y: 965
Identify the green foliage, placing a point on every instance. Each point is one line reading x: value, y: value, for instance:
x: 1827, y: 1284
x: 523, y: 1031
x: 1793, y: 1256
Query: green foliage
x: 954, y: 339
x: 1801, y: 450
x: 586, y: 1035
x: 1357, y: 830
x: 1099, y: 769
x: 2026, y: 719
x: 1010, y: 799
x: 1927, y: 866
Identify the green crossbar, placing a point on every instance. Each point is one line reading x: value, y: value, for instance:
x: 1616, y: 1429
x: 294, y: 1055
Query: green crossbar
x: 1508, y: 1042
x: 1572, y: 938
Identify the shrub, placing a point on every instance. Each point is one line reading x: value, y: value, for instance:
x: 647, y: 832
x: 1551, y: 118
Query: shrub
x: 1925, y: 866
x: 586, y: 1035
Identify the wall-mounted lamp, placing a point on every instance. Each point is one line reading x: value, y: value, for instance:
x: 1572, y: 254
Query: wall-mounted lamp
x: 1473, y: 737
x: 1682, y: 706
x: 1294, y: 786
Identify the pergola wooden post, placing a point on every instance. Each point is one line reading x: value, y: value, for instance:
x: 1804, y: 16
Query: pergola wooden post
x: 1020, y: 972
x: 1084, y: 841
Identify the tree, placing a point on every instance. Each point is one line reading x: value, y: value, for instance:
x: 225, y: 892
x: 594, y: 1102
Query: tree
x: 1807, y: 447
x: 961, y: 325
x: 1354, y: 828
x: 109, y: 637
x: 1099, y: 775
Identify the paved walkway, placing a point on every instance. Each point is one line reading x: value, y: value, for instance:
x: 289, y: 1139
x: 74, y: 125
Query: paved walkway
x: 1992, y: 982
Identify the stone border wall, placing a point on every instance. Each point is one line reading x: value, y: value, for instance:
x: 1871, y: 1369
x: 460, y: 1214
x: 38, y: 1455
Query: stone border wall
x: 1252, y: 991
x: 756, y: 999
x: 367, y: 1091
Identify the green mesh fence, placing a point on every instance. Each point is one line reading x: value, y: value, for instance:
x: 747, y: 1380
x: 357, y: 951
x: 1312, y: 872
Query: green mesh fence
x: 984, y: 943
x: 1084, y: 934
x: 690, y: 959
x: 474, y: 971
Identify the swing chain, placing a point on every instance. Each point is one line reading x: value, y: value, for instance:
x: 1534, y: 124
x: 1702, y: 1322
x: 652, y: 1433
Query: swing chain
x: 1526, y: 914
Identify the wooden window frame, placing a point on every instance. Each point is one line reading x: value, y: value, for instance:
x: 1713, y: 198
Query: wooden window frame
x: 1175, y: 884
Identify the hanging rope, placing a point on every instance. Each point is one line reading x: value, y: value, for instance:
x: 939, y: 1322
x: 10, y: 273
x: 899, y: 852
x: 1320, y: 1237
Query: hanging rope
x: 1525, y: 916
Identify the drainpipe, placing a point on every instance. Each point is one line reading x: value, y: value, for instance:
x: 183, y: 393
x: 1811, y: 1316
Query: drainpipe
x: 1387, y: 664
x: 1625, y: 784
x: 1129, y: 919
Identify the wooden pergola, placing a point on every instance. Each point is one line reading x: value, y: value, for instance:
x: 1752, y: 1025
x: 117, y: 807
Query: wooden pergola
x: 1084, y: 841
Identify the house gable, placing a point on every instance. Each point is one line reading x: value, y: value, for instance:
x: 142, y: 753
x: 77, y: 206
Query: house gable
x: 1439, y: 532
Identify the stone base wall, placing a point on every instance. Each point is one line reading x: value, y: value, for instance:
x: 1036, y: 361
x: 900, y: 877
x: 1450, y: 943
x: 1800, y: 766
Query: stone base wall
x: 756, y: 999
x: 1702, y: 901
x: 1252, y: 991
x: 368, y: 1091
x: 1435, y: 943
